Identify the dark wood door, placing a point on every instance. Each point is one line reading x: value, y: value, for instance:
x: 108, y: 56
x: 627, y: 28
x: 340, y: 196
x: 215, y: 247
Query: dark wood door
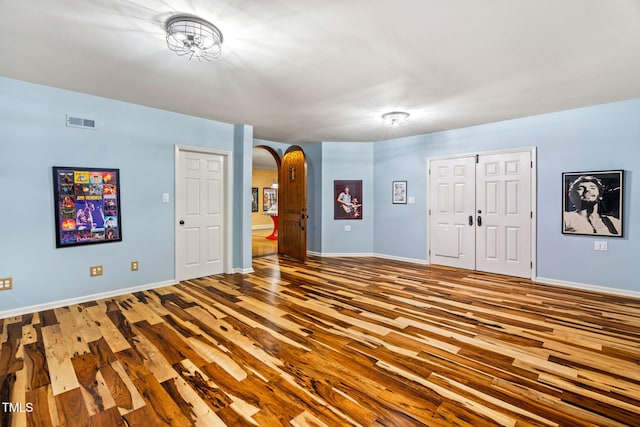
x: 292, y: 206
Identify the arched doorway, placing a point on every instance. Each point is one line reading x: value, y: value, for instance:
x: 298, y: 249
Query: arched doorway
x: 265, y: 195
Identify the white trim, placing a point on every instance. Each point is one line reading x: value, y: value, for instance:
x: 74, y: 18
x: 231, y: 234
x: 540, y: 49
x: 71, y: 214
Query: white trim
x: 262, y: 227
x: 534, y: 210
x: 341, y: 255
x: 587, y: 287
x: 86, y: 298
x: 228, y: 167
x: 372, y: 255
x: 397, y: 258
x: 243, y: 270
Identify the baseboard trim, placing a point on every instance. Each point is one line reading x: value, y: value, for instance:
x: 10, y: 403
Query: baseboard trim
x: 347, y: 255
x: 397, y: 258
x: 587, y: 287
x: 79, y: 300
x: 340, y: 255
x: 243, y: 270
x: 262, y: 227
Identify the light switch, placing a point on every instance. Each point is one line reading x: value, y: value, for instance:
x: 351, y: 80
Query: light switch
x: 411, y: 200
x: 165, y: 197
x: 600, y: 245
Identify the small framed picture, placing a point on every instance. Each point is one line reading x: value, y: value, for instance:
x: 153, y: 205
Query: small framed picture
x: 592, y: 203
x: 399, y: 192
x: 254, y: 199
x: 269, y: 199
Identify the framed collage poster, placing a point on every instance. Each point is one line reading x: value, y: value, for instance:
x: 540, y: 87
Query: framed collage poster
x: 592, y: 203
x: 87, y: 205
x: 347, y: 196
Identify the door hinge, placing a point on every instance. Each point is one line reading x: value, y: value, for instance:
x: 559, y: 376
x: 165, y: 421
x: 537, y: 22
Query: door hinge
x: 429, y: 252
x: 429, y: 211
x: 531, y: 214
x: 531, y: 264
x: 531, y: 164
x: 477, y: 158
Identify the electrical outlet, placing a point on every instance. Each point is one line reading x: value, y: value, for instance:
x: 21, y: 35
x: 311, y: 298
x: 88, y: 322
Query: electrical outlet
x: 95, y: 270
x: 134, y: 265
x: 6, y: 283
x: 347, y: 228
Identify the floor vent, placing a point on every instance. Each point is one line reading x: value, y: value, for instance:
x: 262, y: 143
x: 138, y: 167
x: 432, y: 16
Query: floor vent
x: 77, y: 122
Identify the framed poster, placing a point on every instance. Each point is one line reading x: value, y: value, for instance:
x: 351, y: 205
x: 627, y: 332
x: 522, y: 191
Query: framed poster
x: 87, y: 206
x: 399, y: 192
x: 269, y: 199
x: 347, y: 196
x: 254, y: 199
x: 592, y: 203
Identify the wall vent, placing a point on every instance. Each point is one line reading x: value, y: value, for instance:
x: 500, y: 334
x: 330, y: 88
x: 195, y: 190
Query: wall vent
x: 77, y: 122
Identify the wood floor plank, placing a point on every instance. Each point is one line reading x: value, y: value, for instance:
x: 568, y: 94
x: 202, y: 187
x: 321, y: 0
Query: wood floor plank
x: 333, y: 342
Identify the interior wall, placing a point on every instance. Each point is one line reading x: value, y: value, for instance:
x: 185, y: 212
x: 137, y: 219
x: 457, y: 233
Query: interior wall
x: 262, y: 178
x: 601, y: 137
x: 137, y: 140
x: 347, y: 161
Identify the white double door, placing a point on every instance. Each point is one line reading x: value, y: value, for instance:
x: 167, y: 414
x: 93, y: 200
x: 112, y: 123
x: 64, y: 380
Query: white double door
x: 480, y: 212
x: 200, y: 214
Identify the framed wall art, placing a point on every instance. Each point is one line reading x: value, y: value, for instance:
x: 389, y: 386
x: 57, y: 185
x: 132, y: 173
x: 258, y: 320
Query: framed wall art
x: 399, y: 192
x: 254, y: 199
x: 592, y: 203
x: 347, y: 199
x: 87, y: 205
x: 269, y: 198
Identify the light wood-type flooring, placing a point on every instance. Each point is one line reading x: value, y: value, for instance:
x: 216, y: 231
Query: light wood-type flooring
x: 335, y: 342
x: 260, y: 245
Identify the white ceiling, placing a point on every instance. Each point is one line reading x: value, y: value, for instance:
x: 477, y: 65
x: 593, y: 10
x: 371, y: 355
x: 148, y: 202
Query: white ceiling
x: 310, y: 70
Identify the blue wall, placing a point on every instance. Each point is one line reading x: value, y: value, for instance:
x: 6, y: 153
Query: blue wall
x: 347, y: 161
x: 140, y: 142
x: 137, y: 140
x: 592, y: 138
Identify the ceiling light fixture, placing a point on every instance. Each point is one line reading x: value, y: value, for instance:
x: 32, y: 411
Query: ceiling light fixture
x: 194, y: 37
x: 396, y: 118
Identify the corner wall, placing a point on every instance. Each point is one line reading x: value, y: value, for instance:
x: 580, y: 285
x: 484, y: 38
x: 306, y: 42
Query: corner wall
x: 593, y: 138
x: 137, y: 140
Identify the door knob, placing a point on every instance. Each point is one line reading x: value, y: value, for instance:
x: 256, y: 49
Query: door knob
x: 470, y: 219
x: 181, y: 222
x: 479, y: 221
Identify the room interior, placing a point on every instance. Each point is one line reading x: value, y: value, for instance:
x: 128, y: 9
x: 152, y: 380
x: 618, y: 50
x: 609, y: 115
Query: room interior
x: 368, y: 330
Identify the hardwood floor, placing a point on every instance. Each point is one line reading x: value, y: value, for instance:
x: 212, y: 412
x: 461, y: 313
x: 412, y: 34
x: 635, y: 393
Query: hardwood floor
x: 351, y: 341
x: 260, y: 246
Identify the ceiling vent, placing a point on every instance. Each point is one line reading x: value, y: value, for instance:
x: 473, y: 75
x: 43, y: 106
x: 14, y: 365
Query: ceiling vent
x: 77, y: 122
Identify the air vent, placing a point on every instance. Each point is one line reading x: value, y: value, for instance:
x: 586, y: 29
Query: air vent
x: 77, y: 122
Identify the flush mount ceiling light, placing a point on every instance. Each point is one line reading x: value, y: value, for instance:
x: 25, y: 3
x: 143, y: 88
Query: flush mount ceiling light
x: 396, y: 118
x: 194, y: 37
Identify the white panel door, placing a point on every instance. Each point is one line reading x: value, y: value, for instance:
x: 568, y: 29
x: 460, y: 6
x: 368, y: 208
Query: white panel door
x: 503, y: 217
x: 200, y: 214
x: 480, y: 213
x: 452, y: 205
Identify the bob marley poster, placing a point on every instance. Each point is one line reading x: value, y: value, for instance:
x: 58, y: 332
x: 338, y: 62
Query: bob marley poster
x: 87, y: 205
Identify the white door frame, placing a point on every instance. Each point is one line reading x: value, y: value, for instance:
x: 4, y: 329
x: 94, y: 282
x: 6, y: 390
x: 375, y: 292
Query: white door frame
x: 228, y: 201
x: 534, y: 192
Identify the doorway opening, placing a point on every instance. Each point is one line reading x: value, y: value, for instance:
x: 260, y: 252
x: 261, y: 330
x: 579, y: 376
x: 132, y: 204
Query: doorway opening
x: 264, y: 201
